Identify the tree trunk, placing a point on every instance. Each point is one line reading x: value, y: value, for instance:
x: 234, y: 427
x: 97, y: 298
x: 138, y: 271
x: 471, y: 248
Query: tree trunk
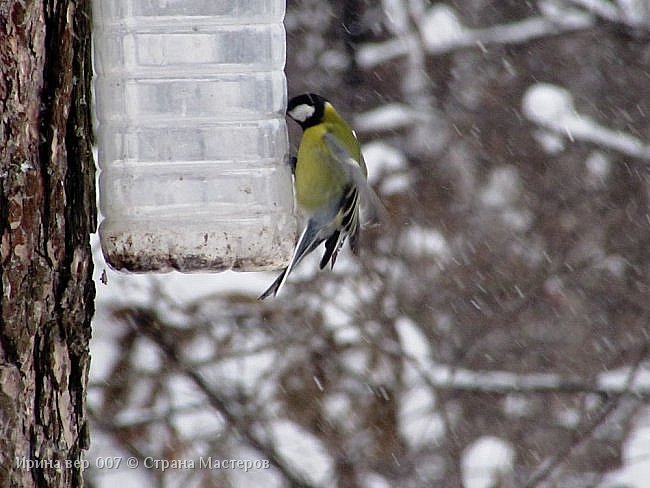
x: 47, y: 210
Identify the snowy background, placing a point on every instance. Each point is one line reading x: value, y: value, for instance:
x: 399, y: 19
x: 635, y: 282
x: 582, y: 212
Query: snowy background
x: 495, y: 331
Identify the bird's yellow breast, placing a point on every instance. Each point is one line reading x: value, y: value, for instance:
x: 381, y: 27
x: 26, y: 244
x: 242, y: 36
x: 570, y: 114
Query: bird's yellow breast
x: 320, y: 179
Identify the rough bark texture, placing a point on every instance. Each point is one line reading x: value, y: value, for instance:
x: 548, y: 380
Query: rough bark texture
x: 47, y: 210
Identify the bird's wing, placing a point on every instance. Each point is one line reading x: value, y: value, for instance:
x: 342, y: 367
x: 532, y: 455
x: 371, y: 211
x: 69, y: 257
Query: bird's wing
x: 351, y: 168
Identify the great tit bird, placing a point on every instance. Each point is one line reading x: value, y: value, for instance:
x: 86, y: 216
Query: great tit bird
x: 330, y: 179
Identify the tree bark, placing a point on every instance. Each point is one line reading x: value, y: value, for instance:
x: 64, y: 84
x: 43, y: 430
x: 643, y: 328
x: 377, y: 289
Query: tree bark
x: 47, y: 210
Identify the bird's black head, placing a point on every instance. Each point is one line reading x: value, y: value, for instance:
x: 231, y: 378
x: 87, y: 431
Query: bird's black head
x: 307, y: 109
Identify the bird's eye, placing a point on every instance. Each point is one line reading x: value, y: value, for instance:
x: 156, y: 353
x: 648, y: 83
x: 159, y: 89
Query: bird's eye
x: 301, y: 112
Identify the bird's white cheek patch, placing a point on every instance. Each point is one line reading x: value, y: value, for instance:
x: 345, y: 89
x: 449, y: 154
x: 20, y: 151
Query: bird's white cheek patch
x: 302, y: 112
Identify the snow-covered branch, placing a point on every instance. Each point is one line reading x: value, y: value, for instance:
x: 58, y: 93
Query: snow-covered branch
x: 614, y: 383
x: 633, y: 13
x: 415, y: 350
x: 441, y: 31
x: 552, y: 107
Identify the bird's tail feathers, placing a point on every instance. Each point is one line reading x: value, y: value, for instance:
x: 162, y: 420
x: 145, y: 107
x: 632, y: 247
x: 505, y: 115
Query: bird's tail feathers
x: 275, y: 286
x: 309, y: 240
